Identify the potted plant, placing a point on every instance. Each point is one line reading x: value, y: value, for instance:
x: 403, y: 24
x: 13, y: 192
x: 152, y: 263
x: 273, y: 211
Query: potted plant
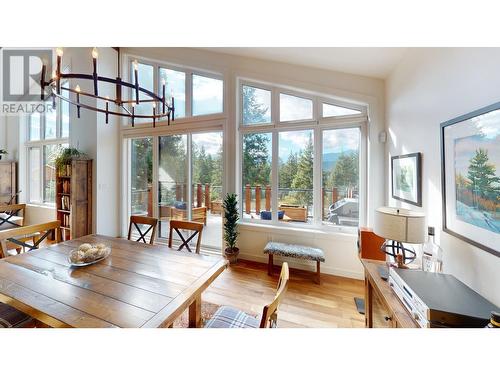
x: 231, y: 217
x: 2, y: 152
x: 64, y: 158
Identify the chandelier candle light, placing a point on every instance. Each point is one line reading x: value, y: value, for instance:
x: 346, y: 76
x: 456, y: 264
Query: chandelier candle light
x: 54, y: 85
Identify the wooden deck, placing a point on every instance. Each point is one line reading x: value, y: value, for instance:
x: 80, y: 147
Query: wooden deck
x: 306, y: 304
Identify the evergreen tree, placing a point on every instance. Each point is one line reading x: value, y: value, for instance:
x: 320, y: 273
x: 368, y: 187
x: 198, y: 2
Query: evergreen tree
x: 304, y: 177
x: 217, y: 175
x: 288, y: 170
x: 142, y: 166
x: 253, y: 112
x: 345, y: 172
x: 256, y: 155
x: 256, y: 163
x: 481, y: 175
x: 173, y: 162
x: 203, y: 166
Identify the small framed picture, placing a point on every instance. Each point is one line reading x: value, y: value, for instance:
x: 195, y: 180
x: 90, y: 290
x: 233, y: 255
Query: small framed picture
x: 407, y: 178
x: 470, y: 156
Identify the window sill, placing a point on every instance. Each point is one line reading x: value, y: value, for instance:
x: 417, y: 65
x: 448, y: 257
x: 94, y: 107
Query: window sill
x: 41, y: 205
x: 178, y: 121
x: 319, y: 231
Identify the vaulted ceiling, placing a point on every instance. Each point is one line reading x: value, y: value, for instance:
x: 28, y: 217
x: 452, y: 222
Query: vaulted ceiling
x: 376, y: 62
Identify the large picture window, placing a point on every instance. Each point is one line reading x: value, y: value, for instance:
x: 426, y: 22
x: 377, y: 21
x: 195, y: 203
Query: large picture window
x: 296, y: 169
x: 340, y: 176
x: 295, y: 176
x: 47, y: 133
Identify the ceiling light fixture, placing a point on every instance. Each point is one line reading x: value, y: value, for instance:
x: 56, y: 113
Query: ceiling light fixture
x: 126, y: 108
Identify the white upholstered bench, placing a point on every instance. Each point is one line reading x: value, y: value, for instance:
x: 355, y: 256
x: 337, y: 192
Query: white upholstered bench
x: 294, y: 251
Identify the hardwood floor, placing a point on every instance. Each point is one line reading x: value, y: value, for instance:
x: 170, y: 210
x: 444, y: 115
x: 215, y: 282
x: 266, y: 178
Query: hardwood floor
x: 247, y: 286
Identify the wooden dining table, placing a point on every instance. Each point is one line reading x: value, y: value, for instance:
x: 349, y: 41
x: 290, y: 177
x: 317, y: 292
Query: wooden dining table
x: 138, y: 285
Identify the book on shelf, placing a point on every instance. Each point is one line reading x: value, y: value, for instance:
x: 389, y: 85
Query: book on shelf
x: 65, y: 220
x: 66, y: 187
x: 65, y: 203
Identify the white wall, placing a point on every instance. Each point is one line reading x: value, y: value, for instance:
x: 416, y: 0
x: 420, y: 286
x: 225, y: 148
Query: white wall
x: 429, y: 86
x: 99, y: 140
x: 340, y: 248
x: 3, y: 132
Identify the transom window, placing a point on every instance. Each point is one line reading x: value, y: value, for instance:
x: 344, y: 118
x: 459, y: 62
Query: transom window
x: 195, y: 93
x: 256, y: 107
x: 301, y: 164
x: 294, y: 108
x: 330, y: 110
x: 175, y: 86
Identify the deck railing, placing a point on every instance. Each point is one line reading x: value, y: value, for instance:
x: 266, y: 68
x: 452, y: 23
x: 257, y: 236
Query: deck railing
x: 203, y: 195
x: 258, y: 198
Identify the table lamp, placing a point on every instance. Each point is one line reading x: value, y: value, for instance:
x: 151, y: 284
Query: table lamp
x: 398, y: 226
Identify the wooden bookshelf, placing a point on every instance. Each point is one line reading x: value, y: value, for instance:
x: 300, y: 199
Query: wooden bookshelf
x: 74, y: 199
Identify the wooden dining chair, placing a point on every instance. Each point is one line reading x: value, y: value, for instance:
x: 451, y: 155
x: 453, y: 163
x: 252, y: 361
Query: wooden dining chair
x: 230, y: 317
x: 28, y: 238
x: 13, y: 318
x: 178, y: 225
x: 150, y: 222
x: 12, y: 215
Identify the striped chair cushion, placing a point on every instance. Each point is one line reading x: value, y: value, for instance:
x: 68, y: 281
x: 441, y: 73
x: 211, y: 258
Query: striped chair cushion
x: 13, y: 318
x: 229, y: 317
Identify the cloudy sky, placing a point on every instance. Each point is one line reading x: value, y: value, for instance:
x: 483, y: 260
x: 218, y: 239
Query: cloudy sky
x: 293, y: 108
x: 293, y: 141
x: 489, y: 139
x: 340, y: 140
x: 211, y: 141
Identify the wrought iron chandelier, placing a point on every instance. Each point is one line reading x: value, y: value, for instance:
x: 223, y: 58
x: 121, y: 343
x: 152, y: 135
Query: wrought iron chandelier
x: 161, y: 108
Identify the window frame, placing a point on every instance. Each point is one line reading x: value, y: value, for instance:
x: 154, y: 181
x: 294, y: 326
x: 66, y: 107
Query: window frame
x: 299, y: 95
x: 337, y: 103
x: 187, y: 84
x: 259, y: 86
x: 188, y: 71
x: 318, y: 125
x: 206, y: 75
x: 40, y: 145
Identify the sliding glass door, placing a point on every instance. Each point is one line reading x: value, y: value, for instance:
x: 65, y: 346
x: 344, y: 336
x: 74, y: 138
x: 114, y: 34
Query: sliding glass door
x: 141, y: 176
x: 188, y: 171
x: 206, y: 196
x: 172, y: 181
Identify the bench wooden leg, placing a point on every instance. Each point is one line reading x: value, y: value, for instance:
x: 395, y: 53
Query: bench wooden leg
x: 270, y: 265
x: 318, y: 273
x: 195, y: 313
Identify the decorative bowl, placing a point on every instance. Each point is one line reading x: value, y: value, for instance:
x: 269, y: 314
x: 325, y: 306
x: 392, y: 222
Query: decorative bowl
x: 107, y: 252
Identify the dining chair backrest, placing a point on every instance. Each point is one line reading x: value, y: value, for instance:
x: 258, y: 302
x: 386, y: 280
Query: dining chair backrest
x: 270, y: 312
x: 150, y: 222
x: 21, y: 237
x: 12, y: 215
x: 178, y: 225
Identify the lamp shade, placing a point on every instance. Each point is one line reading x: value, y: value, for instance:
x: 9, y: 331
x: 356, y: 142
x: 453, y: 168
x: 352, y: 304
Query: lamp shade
x: 399, y: 224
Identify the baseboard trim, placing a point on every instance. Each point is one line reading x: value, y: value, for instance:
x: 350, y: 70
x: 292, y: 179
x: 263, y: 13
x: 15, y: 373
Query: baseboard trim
x: 303, y: 266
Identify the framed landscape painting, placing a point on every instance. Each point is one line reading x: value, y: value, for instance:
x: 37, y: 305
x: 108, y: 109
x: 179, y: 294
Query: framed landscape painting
x: 407, y: 178
x: 470, y: 152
